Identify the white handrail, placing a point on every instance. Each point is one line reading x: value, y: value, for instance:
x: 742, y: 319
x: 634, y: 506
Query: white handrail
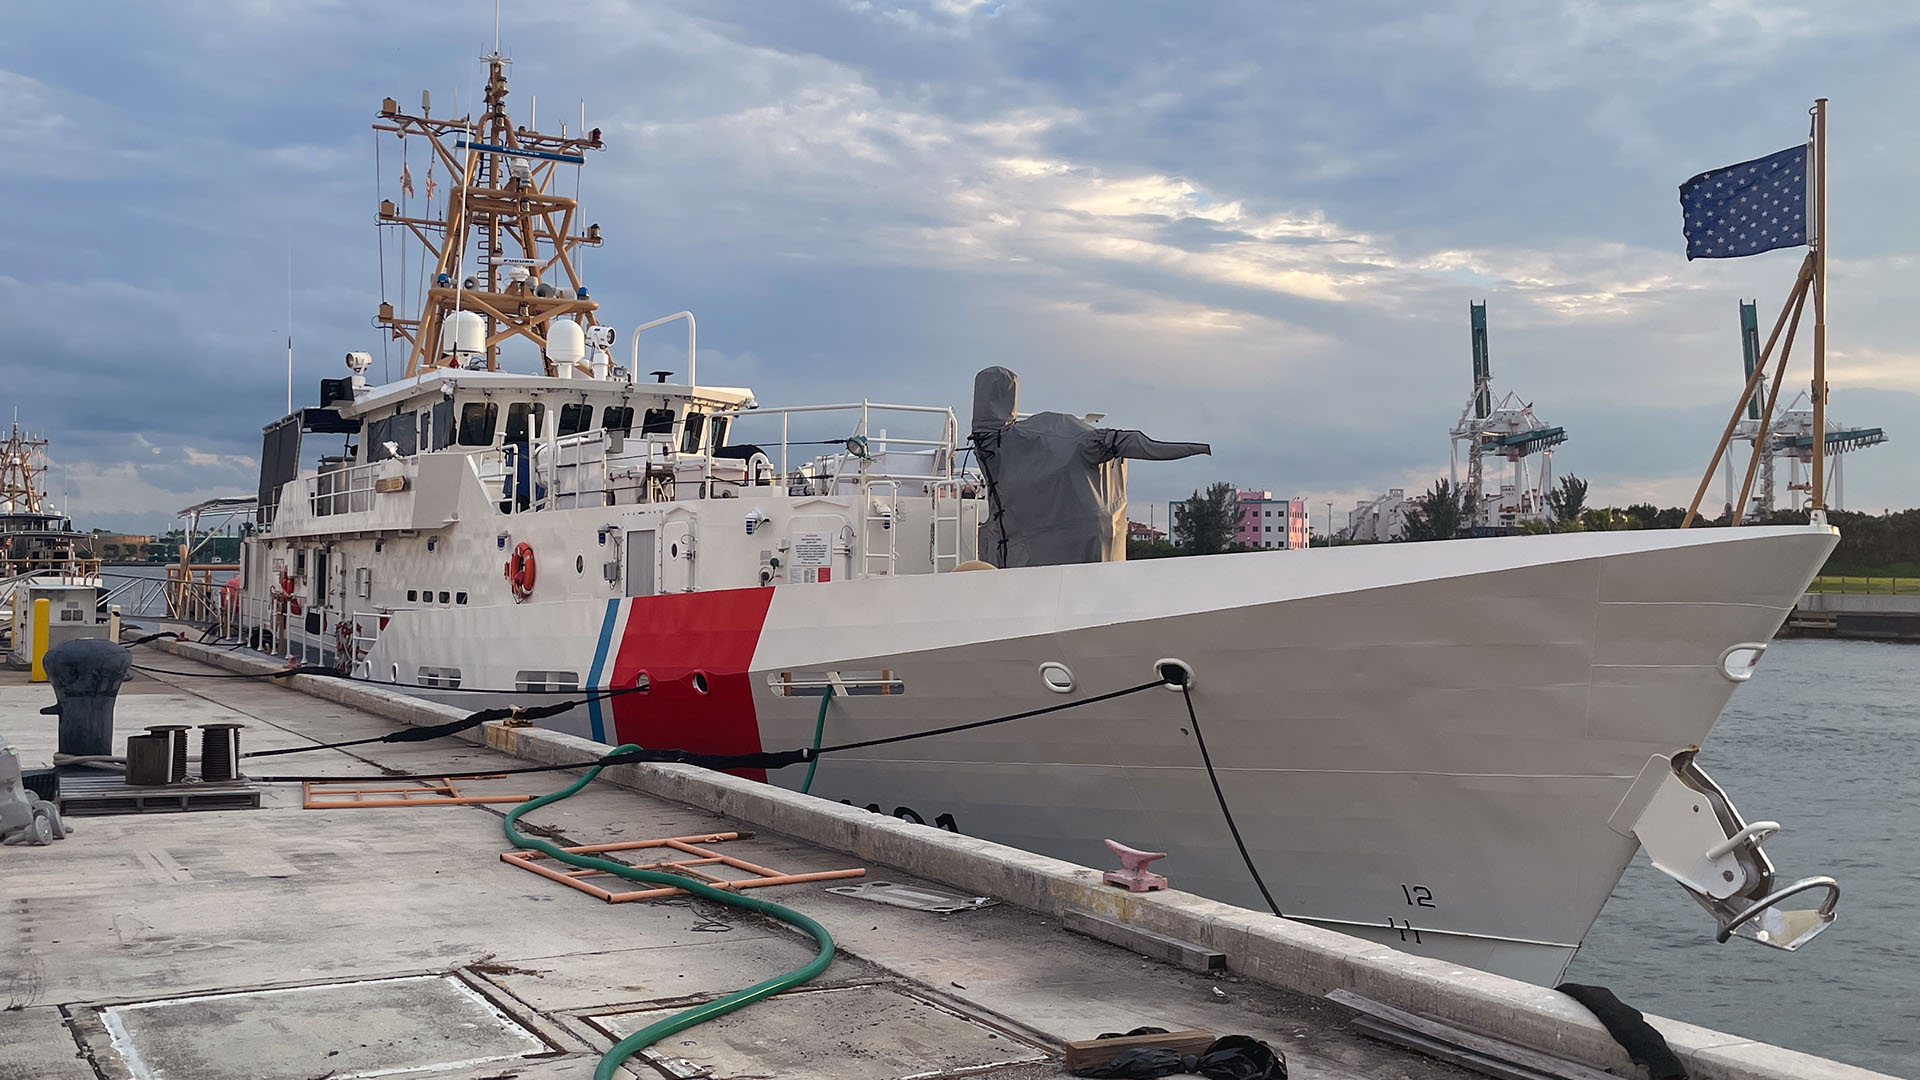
x: 633, y: 357
x: 874, y: 406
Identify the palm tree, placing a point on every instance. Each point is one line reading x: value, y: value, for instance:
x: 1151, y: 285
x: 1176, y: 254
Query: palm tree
x: 1566, y: 502
x: 1440, y: 514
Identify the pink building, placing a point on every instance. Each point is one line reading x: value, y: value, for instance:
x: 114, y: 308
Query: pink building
x: 1267, y: 522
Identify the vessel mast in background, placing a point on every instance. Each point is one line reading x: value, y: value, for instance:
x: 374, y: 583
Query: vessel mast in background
x: 23, y: 460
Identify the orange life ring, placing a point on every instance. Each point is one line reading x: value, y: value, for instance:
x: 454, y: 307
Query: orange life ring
x: 520, y: 571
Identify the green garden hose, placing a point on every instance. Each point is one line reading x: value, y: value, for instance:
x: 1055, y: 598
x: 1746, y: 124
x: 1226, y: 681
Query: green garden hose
x: 819, y: 729
x: 699, y: 1014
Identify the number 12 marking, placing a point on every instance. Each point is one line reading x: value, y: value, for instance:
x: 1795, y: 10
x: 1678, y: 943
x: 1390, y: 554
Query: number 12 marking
x: 1418, y: 896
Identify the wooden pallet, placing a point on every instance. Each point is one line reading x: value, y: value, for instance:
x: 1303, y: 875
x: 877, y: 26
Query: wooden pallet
x: 85, y: 794
x: 355, y: 794
x: 754, y: 876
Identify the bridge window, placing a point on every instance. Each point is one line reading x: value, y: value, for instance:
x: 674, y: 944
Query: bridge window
x: 618, y: 418
x: 404, y: 433
x: 524, y: 420
x: 575, y: 419
x: 656, y: 422
x: 696, y: 426
x: 477, y: 421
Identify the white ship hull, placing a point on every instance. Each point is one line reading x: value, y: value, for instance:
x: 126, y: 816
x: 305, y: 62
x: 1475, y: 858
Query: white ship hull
x: 1421, y: 744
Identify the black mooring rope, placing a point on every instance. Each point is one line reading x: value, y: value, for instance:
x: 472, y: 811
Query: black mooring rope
x: 1186, y: 692
x: 452, y: 727
x: 774, y: 759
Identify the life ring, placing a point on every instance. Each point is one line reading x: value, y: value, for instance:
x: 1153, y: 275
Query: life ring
x: 520, y: 571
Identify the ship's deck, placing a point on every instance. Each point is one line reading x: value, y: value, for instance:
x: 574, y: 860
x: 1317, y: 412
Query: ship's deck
x: 138, y: 946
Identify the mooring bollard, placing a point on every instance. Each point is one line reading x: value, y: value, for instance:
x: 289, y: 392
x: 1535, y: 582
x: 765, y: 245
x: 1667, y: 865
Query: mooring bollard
x: 86, y: 674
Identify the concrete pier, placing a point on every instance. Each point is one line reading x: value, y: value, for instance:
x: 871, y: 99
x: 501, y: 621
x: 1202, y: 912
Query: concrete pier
x: 285, y: 942
x: 1866, y: 617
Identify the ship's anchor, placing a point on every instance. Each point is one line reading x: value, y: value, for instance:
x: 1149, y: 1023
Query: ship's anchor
x: 1692, y: 833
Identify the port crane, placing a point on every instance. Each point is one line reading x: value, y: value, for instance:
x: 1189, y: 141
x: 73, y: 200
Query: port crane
x: 1789, y: 435
x: 1501, y: 428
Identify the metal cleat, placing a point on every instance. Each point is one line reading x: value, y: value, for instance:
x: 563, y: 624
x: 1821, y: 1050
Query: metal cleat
x: 1692, y: 833
x: 1133, y: 872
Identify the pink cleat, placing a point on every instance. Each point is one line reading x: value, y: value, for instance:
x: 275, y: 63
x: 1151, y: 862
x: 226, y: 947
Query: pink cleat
x: 1133, y: 872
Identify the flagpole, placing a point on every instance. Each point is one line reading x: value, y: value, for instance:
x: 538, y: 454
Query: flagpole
x: 1760, y: 440
x: 1800, y: 283
x: 1819, y: 504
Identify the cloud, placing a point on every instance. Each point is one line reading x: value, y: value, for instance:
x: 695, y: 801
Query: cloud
x: 1257, y: 224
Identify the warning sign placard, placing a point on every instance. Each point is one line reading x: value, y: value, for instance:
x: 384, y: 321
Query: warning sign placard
x: 812, y: 557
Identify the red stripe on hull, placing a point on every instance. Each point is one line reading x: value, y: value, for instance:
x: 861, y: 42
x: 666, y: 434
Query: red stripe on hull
x: 673, y: 637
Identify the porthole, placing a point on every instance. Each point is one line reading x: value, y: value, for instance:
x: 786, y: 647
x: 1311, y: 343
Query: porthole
x: 1738, y: 661
x: 699, y: 681
x: 1057, y: 677
x: 579, y: 564
x: 1175, y: 674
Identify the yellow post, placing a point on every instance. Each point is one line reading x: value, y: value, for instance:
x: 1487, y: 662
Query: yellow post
x: 113, y: 623
x: 42, y: 626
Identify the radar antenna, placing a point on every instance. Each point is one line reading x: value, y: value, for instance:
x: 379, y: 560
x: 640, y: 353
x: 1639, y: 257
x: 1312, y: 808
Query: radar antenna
x: 503, y: 250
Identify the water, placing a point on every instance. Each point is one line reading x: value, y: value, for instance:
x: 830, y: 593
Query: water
x: 1826, y: 740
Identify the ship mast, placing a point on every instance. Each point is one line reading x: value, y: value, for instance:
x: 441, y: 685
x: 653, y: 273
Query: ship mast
x: 504, y: 250
x: 22, y: 461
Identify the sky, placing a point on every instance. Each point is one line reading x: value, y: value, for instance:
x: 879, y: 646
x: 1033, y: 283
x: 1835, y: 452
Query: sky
x: 1253, y: 224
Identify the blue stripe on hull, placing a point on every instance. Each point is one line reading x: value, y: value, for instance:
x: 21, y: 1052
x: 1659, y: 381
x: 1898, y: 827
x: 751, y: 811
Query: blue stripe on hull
x: 599, y: 662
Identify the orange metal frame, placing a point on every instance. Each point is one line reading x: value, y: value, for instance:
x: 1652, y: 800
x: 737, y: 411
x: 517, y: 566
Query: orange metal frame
x: 686, y: 845
x: 423, y: 793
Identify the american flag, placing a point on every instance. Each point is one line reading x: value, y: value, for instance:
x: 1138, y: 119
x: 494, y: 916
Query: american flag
x: 1747, y: 208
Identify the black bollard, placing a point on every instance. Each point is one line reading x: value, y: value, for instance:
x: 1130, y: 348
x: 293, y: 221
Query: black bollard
x: 147, y: 760
x: 86, y: 674
x: 220, y: 752
x: 176, y: 735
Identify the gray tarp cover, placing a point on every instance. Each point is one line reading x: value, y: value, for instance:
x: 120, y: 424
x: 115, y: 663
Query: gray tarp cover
x: 1056, y: 485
